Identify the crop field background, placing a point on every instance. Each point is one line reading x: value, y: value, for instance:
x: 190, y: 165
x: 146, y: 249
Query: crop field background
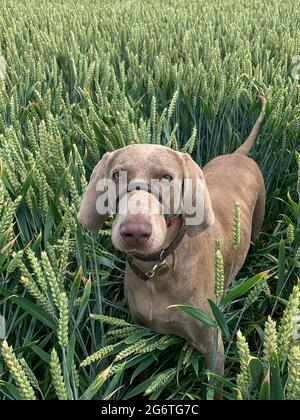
x: 84, y: 77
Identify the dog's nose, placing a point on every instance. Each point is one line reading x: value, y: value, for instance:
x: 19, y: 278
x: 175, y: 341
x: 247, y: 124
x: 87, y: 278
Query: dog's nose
x: 136, y: 231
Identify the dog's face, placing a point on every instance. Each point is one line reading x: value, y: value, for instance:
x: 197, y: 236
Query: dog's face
x: 140, y: 221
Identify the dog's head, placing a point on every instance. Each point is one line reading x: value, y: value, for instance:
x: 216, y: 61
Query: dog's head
x: 145, y: 185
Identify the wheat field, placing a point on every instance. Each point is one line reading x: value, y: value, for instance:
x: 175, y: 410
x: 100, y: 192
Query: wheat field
x: 79, y: 78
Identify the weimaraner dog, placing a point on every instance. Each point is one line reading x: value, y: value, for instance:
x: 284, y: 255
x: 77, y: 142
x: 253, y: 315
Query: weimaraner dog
x: 168, y: 261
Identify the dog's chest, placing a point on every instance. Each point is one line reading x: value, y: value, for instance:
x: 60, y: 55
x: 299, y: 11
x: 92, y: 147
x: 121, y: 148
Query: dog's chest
x: 151, y: 308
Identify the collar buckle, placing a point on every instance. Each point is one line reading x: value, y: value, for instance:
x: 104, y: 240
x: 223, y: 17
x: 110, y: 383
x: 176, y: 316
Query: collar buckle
x: 162, y: 265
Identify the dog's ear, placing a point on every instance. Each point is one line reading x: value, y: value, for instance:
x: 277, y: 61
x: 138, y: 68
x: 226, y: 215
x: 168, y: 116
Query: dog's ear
x: 195, y: 198
x: 88, y: 214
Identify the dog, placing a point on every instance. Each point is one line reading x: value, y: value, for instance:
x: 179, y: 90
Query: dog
x: 170, y: 261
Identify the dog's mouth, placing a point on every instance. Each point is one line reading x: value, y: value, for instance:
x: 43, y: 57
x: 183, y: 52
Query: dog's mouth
x: 132, y: 246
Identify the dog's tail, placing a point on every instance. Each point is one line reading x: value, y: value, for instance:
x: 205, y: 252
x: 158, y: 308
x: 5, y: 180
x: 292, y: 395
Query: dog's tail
x: 247, y: 145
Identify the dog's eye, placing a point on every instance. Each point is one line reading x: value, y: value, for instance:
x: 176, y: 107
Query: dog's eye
x: 116, y: 175
x: 166, y: 178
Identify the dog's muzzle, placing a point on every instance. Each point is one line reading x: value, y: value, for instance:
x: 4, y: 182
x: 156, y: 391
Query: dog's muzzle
x: 159, y: 257
x: 142, y: 186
